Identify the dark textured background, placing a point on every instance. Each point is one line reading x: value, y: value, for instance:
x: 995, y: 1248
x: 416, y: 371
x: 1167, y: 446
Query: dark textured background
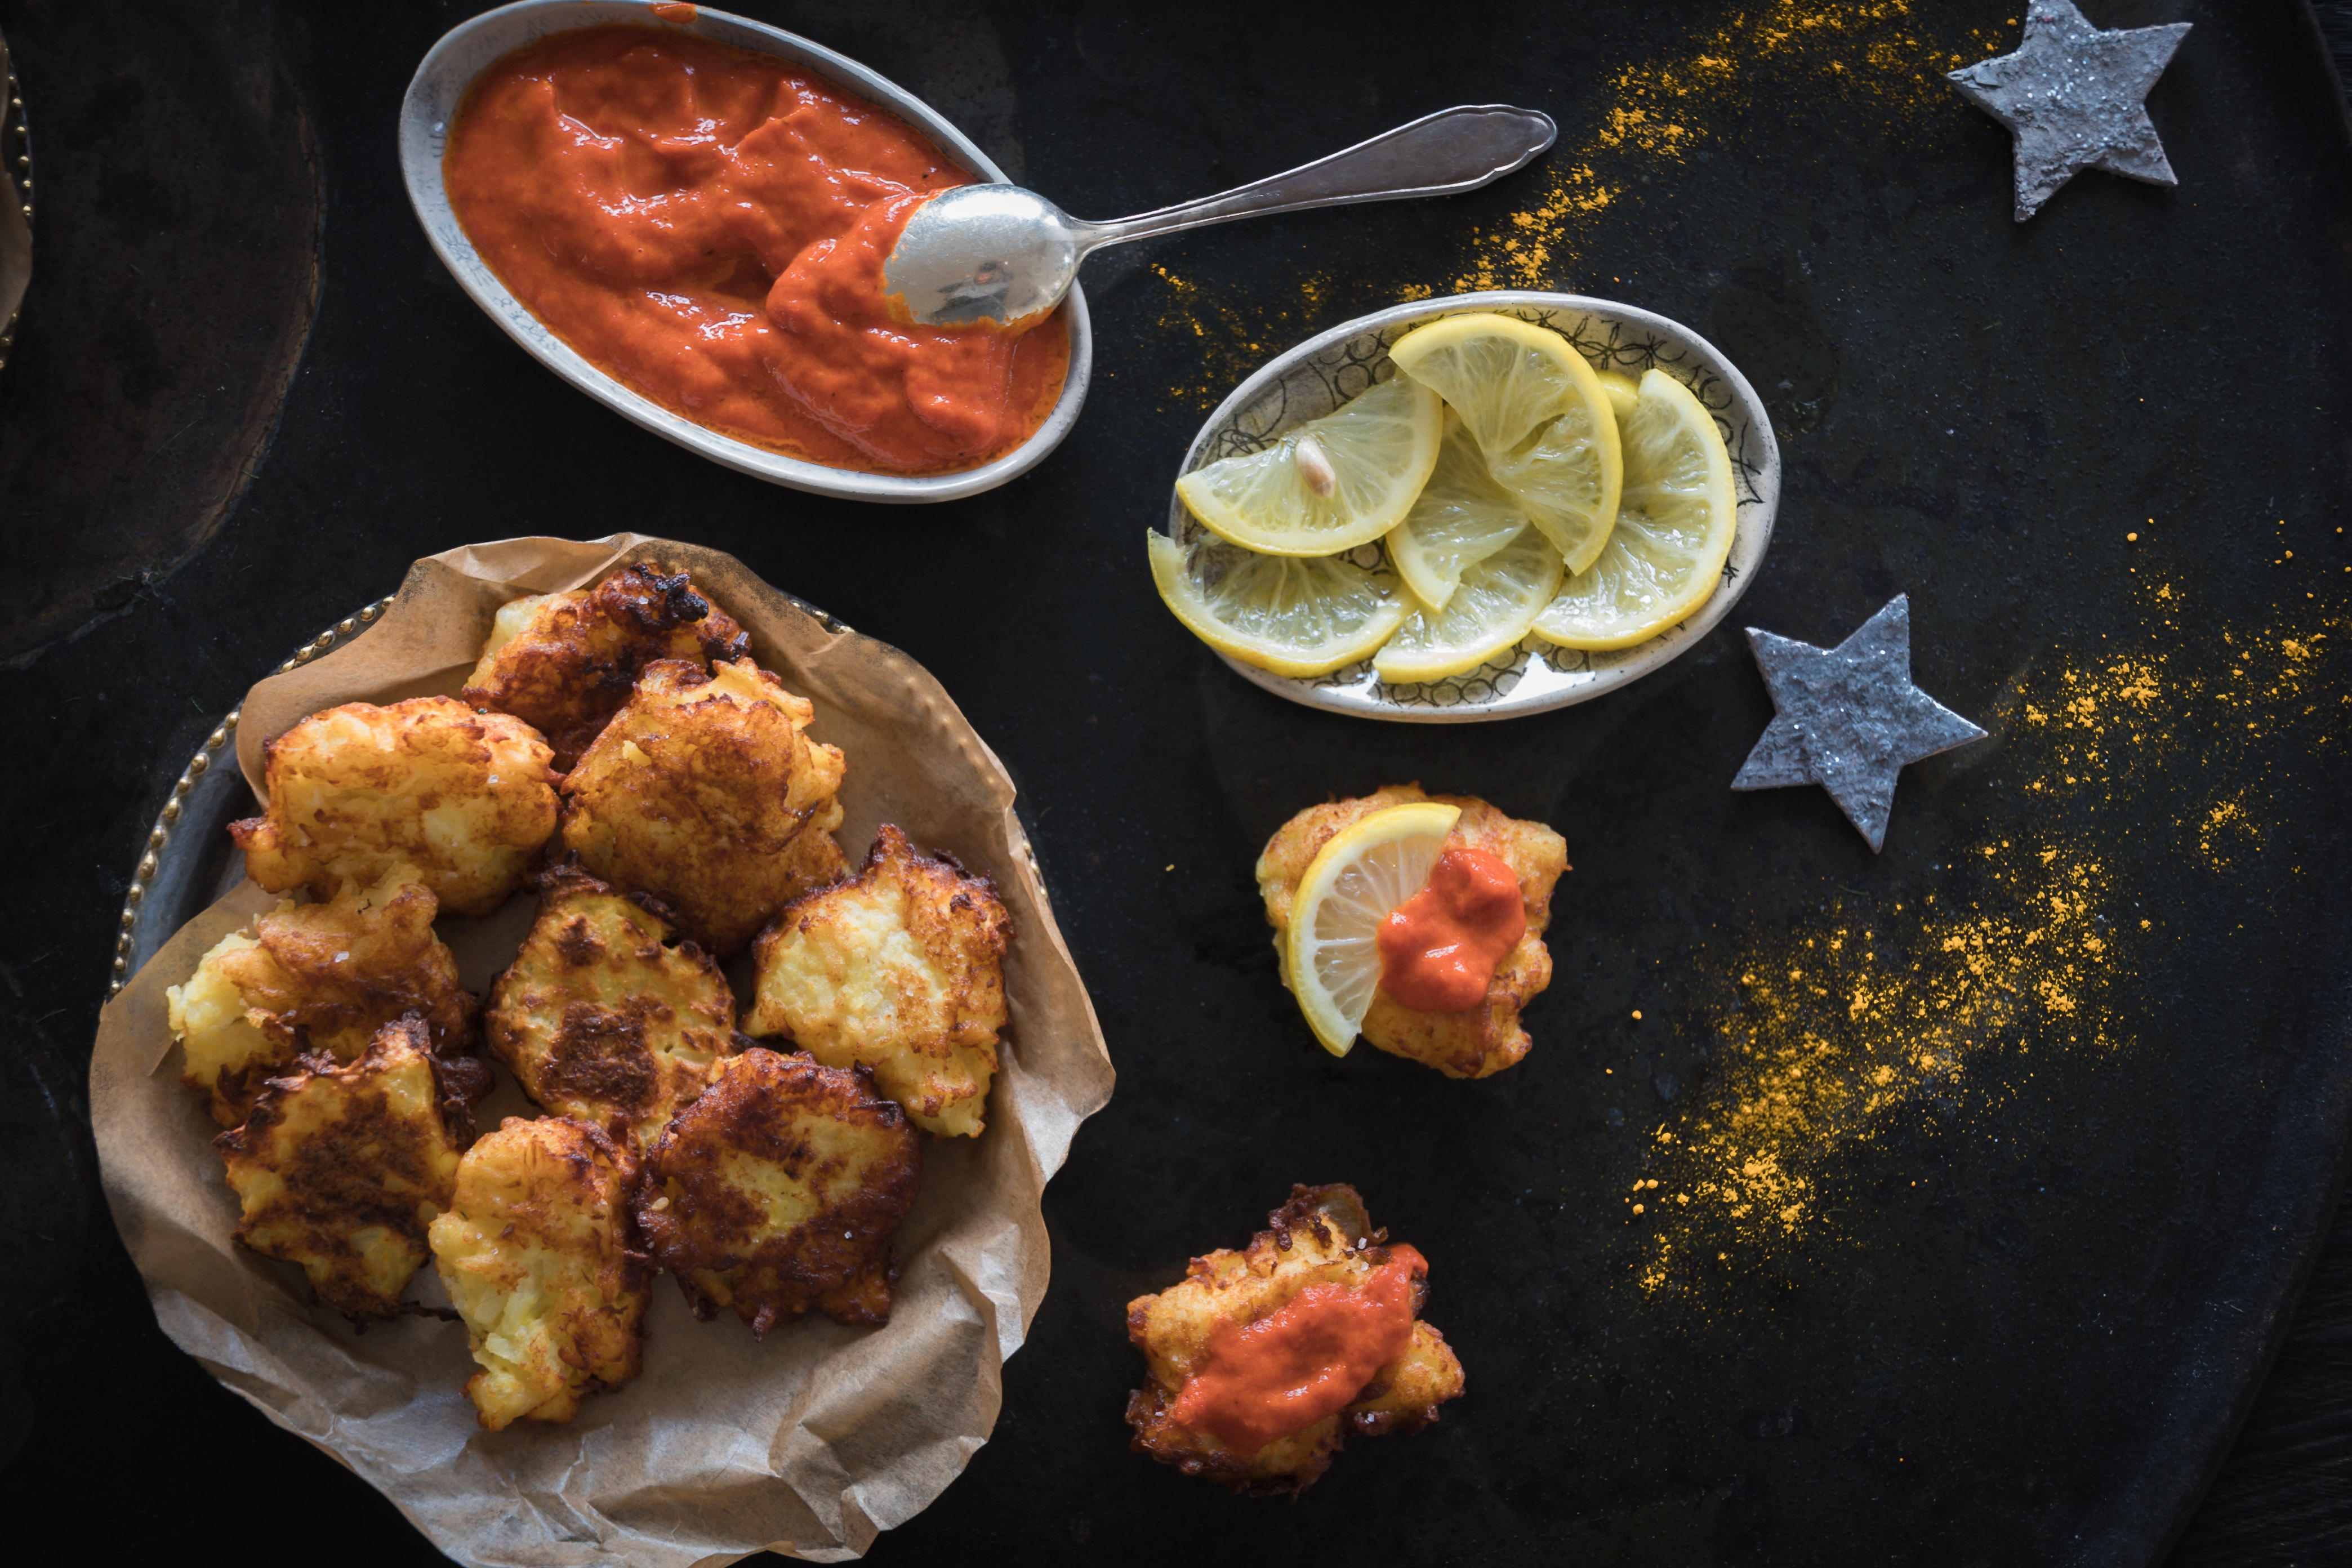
x: 2047, y: 1299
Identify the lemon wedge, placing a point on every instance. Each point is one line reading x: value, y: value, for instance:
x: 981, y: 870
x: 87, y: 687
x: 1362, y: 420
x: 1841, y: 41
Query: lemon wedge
x: 1329, y: 485
x: 1291, y: 614
x: 1332, y: 956
x: 1625, y: 395
x: 1490, y: 610
x: 1461, y: 516
x: 1539, y: 414
x: 1674, y: 529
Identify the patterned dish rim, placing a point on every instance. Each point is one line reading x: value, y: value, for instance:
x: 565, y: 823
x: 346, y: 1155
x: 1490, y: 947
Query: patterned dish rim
x: 1310, y: 380
x: 440, y: 84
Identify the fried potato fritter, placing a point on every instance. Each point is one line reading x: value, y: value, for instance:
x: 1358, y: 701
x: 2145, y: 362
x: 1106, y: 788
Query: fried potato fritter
x: 704, y: 792
x: 538, y: 1251
x: 813, y: 858
x: 902, y: 970
x: 604, y: 1016
x: 341, y: 1168
x: 1484, y: 1039
x: 565, y: 663
x: 466, y: 798
x: 779, y: 1190
x: 1321, y: 1236
x: 317, y: 978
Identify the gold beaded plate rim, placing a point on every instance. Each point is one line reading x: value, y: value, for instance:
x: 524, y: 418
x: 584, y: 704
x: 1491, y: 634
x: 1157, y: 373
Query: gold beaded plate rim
x: 163, y: 834
x: 17, y: 150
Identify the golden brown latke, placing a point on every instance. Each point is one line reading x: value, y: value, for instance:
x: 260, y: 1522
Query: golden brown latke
x: 779, y: 1191
x: 1484, y: 1039
x: 466, y: 798
x: 902, y: 970
x: 813, y: 858
x: 701, y: 792
x: 538, y: 1253
x: 341, y: 1167
x: 1321, y: 1236
x: 564, y: 663
x: 317, y: 978
x: 604, y: 1016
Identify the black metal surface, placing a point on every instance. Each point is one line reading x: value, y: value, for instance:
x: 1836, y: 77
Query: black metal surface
x: 177, y: 253
x: 2026, y: 1292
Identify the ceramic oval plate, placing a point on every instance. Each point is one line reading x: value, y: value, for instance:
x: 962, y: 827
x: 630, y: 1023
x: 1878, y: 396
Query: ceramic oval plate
x: 467, y: 50
x: 1324, y: 372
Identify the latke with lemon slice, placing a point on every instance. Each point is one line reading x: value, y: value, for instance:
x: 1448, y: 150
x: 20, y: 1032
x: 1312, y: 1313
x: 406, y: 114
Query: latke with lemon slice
x: 1332, y: 874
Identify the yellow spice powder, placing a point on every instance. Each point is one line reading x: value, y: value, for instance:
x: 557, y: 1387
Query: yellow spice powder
x: 1886, y: 60
x: 1820, y: 1031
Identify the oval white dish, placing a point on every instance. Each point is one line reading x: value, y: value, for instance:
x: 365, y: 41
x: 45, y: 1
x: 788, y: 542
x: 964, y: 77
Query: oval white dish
x: 467, y: 49
x: 1312, y: 379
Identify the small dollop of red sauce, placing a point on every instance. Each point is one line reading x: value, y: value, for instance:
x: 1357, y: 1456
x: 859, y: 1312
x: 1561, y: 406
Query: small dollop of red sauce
x: 1263, y: 1381
x: 708, y: 225
x: 1439, y: 948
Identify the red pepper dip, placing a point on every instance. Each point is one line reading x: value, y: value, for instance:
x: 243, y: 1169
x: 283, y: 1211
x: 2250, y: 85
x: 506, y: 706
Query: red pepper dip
x: 1439, y: 949
x: 1312, y: 1355
x: 708, y: 225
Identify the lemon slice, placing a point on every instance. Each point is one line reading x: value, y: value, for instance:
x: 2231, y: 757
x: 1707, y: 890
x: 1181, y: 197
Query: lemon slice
x: 1329, y: 485
x: 1291, y: 614
x: 1461, y: 516
x: 1539, y: 414
x: 1625, y: 396
x: 1673, y: 531
x: 1332, y: 959
x: 1491, y: 609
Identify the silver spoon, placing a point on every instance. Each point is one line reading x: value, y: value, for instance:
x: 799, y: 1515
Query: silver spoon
x: 1000, y: 253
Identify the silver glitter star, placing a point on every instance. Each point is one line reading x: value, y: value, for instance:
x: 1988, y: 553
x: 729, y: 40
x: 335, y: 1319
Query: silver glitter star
x: 1848, y: 718
x: 2070, y: 96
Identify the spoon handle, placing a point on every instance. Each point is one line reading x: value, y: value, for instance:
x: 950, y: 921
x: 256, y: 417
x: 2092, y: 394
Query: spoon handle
x: 1452, y: 150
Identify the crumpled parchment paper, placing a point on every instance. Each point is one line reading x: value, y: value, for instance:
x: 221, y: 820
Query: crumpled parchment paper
x: 809, y: 1442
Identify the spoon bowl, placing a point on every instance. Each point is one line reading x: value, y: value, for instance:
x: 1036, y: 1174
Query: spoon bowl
x: 994, y: 253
